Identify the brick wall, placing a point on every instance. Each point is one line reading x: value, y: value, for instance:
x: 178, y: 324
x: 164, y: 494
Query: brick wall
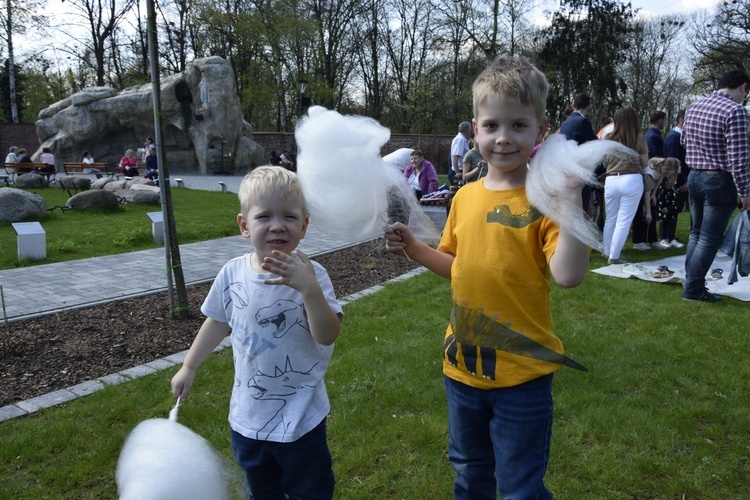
x: 436, y: 148
x: 22, y: 135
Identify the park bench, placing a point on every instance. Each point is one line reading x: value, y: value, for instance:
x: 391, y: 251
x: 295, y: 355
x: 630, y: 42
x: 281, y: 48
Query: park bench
x: 25, y: 168
x: 77, y: 168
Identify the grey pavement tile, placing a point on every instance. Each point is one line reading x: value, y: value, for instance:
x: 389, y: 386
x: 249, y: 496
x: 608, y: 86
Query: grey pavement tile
x: 137, y: 371
x: 46, y: 400
x: 160, y: 364
x: 177, y: 358
x: 113, y: 379
x: 11, y: 411
x: 86, y: 388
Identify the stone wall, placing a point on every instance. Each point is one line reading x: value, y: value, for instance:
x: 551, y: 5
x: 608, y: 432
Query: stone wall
x: 22, y: 135
x: 435, y: 147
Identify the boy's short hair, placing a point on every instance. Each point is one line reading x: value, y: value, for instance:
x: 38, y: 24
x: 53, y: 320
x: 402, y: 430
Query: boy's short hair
x: 270, y: 180
x: 513, y: 80
x: 656, y: 116
x: 581, y: 101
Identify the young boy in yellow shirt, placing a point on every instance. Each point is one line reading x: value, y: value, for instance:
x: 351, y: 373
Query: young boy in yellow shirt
x: 499, y: 251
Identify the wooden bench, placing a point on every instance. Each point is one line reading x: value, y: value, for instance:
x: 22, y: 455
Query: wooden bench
x: 78, y: 168
x: 14, y: 169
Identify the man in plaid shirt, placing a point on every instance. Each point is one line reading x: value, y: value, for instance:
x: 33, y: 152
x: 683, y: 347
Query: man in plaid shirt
x: 715, y: 138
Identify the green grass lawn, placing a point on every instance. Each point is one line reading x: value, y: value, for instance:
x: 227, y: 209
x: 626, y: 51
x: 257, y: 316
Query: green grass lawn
x: 662, y: 412
x: 199, y: 215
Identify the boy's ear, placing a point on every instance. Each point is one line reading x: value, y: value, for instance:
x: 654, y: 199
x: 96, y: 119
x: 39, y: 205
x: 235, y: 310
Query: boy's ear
x: 304, y: 225
x: 242, y: 222
x: 542, y: 130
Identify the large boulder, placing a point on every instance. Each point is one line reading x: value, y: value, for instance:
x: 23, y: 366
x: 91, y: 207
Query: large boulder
x: 74, y: 182
x: 31, y: 181
x: 139, y: 196
x: 202, y: 124
x: 17, y: 205
x: 95, y: 199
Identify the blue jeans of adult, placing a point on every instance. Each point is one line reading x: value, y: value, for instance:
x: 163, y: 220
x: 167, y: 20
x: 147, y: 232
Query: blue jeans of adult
x: 500, y: 439
x: 300, y: 469
x: 713, y: 198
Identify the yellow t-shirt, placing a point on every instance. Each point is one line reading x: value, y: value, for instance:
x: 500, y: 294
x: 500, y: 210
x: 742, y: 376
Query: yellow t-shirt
x: 500, y: 333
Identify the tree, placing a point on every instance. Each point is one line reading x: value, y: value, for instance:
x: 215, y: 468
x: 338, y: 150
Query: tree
x: 582, y: 51
x: 102, y: 18
x: 722, y: 42
x: 13, y: 18
x: 654, y: 71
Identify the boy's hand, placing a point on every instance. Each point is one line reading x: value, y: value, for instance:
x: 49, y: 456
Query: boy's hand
x: 399, y: 239
x: 296, y: 273
x: 182, y: 382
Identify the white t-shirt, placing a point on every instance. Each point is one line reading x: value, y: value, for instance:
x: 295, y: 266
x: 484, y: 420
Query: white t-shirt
x: 278, y: 391
x: 459, y: 147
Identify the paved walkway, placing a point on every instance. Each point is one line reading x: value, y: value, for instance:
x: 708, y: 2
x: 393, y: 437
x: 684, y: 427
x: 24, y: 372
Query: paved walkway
x: 88, y: 282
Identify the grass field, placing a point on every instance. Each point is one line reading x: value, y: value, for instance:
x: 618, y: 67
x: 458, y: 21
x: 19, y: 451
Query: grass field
x: 661, y: 413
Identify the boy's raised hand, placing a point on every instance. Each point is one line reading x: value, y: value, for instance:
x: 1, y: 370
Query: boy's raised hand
x: 296, y: 273
x: 399, y: 239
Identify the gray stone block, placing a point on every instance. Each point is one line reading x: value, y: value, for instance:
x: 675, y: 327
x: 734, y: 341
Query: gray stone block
x: 10, y: 411
x: 86, y: 388
x: 46, y: 400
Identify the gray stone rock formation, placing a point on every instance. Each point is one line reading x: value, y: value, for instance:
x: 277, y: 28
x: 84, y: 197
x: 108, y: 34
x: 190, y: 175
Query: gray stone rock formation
x: 18, y: 206
x: 95, y: 199
x: 74, y: 182
x: 31, y: 181
x: 138, y: 196
x: 202, y: 125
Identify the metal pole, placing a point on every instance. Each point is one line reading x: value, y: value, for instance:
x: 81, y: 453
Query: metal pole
x: 163, y: 181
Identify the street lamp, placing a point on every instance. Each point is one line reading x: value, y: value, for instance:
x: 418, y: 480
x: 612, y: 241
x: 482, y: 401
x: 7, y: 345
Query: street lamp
x: 304, y: 102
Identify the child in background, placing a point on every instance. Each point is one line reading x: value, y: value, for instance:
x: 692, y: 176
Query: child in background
x: 283, y: 317
x: 500, y: 350
x: 666, y: 201
x: 655, y: 172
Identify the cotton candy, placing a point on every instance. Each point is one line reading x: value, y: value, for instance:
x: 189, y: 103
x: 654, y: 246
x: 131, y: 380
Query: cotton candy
x: 164, y: 460
x: 350, y: 190
x: 557, y: 160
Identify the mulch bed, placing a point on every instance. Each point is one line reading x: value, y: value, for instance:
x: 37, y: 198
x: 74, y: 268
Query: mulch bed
x: 70, y: 347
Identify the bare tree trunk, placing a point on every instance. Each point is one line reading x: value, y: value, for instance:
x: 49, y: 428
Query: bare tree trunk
x: 11, y: 65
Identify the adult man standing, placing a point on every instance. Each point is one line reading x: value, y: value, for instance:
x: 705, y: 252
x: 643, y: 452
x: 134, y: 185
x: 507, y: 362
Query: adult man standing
x: 653, y: 134
x: 578, y: 128
x: 673, y: 149
x: 459, y: 148
x: 717, y: 150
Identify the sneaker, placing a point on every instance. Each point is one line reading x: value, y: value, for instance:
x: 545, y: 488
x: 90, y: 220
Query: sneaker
x: 616, y: 261
x: 659, y: 246
x: 676, y: 244
x: 641, y: 246
x: 706, y: 296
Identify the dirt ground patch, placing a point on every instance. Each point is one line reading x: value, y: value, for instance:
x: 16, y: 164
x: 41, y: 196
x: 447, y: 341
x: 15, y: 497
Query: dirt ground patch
x: 70, y: 347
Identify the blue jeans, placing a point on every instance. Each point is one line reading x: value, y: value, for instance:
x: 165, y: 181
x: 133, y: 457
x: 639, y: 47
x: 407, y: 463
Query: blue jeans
x: 300, y: 469
x: 500, y: 439
x: 713, y: 198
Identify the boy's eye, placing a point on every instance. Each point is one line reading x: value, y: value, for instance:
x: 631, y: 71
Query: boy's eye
x: 519, y: 125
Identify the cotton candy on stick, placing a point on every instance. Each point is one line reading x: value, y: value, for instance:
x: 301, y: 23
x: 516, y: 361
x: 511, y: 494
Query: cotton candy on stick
x: 348, y: 187
x: 559, y: 159
x: 164, y: 460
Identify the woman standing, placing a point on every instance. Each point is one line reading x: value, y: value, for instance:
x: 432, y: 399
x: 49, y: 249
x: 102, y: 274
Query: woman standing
x: 623, y: 184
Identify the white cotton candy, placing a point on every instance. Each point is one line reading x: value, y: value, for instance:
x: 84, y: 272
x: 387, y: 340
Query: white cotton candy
x: 348, y: 186
x: 549, y: 170
x: 164, y: 460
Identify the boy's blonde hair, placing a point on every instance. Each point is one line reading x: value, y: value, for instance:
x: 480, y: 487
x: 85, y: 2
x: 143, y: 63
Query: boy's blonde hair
x: 270, y: 180
x: 512, y: 81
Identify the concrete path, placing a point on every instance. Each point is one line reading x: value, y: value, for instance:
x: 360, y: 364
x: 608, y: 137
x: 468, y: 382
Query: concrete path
x: 87, y: 282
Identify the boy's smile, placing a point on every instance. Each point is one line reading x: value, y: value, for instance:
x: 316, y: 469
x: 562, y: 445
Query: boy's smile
x: 273, y: 223
x: 506, y: 134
